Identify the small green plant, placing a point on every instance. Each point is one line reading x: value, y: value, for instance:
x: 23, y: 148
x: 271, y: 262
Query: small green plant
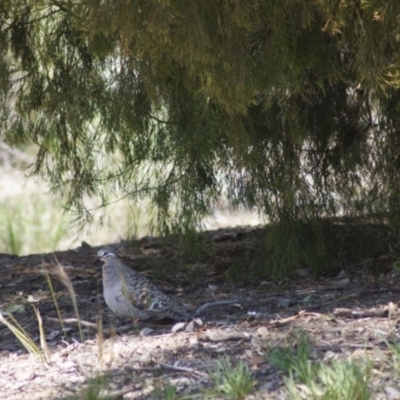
x: 166, y: 392
x: 160, y: 273
x: 334, y: 380
x: 232, y: 382
x: 95, y: 389
x: 295, y: 359
x: 343, y: 380
x: 394, y: 349
x: 337, y: 380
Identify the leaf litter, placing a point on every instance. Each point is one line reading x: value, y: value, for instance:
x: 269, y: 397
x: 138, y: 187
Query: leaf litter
x: 127, y: 360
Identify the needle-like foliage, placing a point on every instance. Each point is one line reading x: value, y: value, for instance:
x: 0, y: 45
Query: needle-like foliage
x: 291, y: 108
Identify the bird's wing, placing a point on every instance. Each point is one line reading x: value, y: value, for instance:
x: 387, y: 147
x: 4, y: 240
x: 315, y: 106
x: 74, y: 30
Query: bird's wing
x: 145, y: 295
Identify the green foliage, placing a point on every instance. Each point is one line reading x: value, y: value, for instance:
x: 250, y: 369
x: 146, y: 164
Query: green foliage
x: 95, y: 388
x: 27, y: 224
x: 290, y: 108
x: 304, y: 243
x: 295, y: 360
x: 12, y: 241
x: 232, y: 382
x: 334, y: 380
x: 344, y: 380
x: 394, y: 349
x: 166, y: 392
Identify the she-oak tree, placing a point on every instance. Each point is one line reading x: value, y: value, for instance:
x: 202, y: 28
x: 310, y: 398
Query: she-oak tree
x: 288, y: 107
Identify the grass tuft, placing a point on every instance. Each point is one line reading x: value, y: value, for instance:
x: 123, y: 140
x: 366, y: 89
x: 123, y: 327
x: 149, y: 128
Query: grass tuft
x: 394, y: 348
x: 165, y: 392
x: 231, y: 382
x: 333, y: 380
x: 33, y: 226
x: 295, y: 359
x: 21, y: 335
x: 53, y: 294
x: 95, y: 389
x: 43, y: 341
x: 62, y: 276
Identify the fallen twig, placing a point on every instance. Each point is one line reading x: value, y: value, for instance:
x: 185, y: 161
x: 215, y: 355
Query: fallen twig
x: 221, y: 336
x: 90, y: 325
x: 182, y: 369
x: 161, y: 365
x: 348, y: 312
x: 141, y: 392
x: 74, y: 321
x: 213, y: 304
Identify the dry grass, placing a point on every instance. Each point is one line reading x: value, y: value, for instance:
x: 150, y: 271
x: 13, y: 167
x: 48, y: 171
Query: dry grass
x: 347, y: 348
x: 32, y: 219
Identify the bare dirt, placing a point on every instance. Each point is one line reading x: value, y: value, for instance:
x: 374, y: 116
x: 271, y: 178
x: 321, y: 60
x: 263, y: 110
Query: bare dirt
x: 346, y: 316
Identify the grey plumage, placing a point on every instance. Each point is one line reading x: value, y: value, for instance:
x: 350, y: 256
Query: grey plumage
x: 130, y: 294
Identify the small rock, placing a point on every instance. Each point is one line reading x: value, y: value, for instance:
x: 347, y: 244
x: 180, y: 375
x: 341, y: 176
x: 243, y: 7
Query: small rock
x: 178, y: 327
x: 330, y: 355
x: 262, y: 332
x: 190, y: 327
x: 392, y: 393
x: 212, y: 289
x: 146, y: 331
x: 284, y: 303
x: 53, y: 335
x: 343, y: 282
x: 198, y: 321
x: 24, y: 374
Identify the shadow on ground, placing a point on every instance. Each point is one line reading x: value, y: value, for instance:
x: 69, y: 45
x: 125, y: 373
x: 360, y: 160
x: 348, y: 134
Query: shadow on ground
x: 343, y: 316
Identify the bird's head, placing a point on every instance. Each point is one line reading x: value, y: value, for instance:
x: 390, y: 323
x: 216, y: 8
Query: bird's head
x: 105, y: 255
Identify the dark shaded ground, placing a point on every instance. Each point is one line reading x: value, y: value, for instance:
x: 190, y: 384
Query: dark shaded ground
x: 345, y: 316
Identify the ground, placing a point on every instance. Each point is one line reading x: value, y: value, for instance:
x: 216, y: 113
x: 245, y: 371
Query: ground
x: 346, y: 316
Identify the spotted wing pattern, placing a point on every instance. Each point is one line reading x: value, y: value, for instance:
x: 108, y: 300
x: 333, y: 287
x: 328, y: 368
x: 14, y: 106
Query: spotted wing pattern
x: 142, y: 293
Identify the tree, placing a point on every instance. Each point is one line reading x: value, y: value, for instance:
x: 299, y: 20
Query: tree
x: 291, y: 107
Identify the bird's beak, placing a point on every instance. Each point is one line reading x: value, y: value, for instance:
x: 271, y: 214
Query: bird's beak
x: 97, y: 258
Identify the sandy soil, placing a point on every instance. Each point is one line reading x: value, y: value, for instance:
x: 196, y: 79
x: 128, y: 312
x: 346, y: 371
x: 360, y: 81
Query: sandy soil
x: 346, y: 317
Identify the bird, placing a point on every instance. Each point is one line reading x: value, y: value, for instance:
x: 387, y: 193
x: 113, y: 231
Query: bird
x: 129, y: 294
